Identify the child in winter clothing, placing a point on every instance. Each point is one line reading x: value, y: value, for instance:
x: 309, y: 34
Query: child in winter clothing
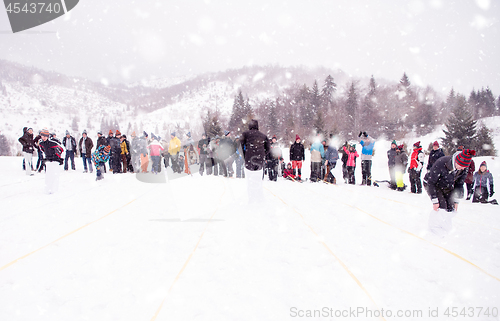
x: 297, y: 156
x: 288, y: 172
x: 391, y: 163
x: 99, y: 158
x: 483, y: 184
x: 351, y: 162
x: 416, y: 165
x: 401, y: 161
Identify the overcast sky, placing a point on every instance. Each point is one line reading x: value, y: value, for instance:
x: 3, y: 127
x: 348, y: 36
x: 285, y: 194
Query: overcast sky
x: 436, y: 42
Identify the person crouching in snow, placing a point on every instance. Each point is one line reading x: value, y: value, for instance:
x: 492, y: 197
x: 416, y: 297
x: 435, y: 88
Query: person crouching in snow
x: 351, y: 162
x: 99, y: 158
x: 445, y: 182
x: 288, y: 172
x: 483, y: 185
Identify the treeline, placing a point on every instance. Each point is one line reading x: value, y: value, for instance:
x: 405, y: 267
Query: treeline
x: 391, y: 111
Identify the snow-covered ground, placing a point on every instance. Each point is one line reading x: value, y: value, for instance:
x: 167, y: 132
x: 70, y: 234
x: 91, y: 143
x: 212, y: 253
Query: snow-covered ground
x: 192, y: 249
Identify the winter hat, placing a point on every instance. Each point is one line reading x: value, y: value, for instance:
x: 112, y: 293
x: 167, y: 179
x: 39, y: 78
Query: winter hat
x: 172, y: 134
x: 297, y: 137
x: 124, y: 136
x: 110, y: 132
x: 274, y: 137
x: 145, y: 134
x: 107, y: 149
x: 133, y: 134
x: 435, y: 143
x: 394, y: 142
x: 365, y: 134
x: 401, y: 147
x: 483, y: 164
x: 118, y: 133
x: 203, y: 135
x: 460, y: 148
x: 226, y: 132
x: 44, y: 132
x: 353, y: 146
x: 465, y: 157
x: 67, y: 132
x: 84, y: 132
x: 188, y: 134
x: 99, y: 132
x: 417, y: 144
x: 29, y: 129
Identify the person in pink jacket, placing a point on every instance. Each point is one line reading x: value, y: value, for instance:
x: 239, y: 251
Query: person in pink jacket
x: 155, y: 149
x: 351, y: 162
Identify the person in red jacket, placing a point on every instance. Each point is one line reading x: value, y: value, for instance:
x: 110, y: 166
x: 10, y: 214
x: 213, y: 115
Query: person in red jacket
x: 416, y: 165
x: 288, y: 172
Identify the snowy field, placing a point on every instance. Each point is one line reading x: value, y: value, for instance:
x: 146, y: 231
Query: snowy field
x: 192, y: 249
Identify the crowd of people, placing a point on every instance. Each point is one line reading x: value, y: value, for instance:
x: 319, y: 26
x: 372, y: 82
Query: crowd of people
x: 254, y: 155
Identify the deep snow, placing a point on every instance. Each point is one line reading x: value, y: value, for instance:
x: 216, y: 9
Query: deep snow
x: 192, y: 249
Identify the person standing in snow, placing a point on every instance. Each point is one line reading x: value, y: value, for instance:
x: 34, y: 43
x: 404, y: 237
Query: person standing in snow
x: 123, y: 153
x: 143, y: 150
x: 52, y: 151
x: 69, y: 143
x: 345, y: 158
x: 391, y: 163
x: 203, y: 144
x: 352, y: 154
x: 331, y: 158
x: 483, y: 184
x: 255, y: 146
x: 445, y: 182
x: 39, y: 163
x: 225, y: 153
x: 28, y: 148
x: 274, y: 159
x: 400, y: 163
x: 368, y: 143
x: 85, y: 146
x: 317, y: 154
x: 109, y: 139
x: 240, y: 162
x: 116, y: 151
x: 297, y: 156
x: 416, y: 165
x: 155, y: 149
x: 174, y: 148
x: 135, y: 151
x: 435, y: 154
x: 99, y: 158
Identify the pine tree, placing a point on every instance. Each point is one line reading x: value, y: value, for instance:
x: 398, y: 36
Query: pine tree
x: 74, y: 124
x: 369, y: 116
x: 329, y: 88
x: 240, y: 114
x: 351, y: 108
x: 306, y: 114
x: 4, y: 146
x: 460, y: 127
x: 273, y: 119
x: 484, y: 145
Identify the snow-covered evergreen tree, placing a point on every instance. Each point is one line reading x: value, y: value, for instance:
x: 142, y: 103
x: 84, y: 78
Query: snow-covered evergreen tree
x: 484, y: 145
x: 460, y: 127
x: 4, y: 146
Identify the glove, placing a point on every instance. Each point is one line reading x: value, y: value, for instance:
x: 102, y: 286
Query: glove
x: 365, y: 134
x: 360, y: 133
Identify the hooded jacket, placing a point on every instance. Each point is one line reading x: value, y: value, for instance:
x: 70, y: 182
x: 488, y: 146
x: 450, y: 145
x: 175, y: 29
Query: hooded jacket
x: 434, y: 156
x: 368, y: 144
x: 297, y: 152
x: 317, y: 152
x: 255, y: 146
x: 484, y: 179
x: 332, y: 156
x: 351, y: 157
x: 27, y: 141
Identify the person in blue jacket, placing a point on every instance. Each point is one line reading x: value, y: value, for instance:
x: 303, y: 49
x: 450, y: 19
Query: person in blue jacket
x: 366, y: 157
x: 317, y: 154
x: 331, y: 156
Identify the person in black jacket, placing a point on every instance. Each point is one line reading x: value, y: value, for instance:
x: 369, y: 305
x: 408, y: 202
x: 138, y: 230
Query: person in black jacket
x: 297, y: 156
x: 85, y: 146
x: 255, y: 146
x: 69, y: 143
x: 435, y: 154
x: 28, y: 148
x: 274, y: 159
x: 445, y: 180
x: 203, y: 144
x: 101, y: 141
x: 391, y: 163
x: 116, y: 151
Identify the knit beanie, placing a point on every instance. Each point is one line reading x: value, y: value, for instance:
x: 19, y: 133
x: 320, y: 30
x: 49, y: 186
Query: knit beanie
x: 435, y: 144
x: 483, y: 164
x: 465, y: 157
x: 417, y: 144
x: 107, y: 149
x: 84, y: 132
x: 188, y: 134
x: 110, y: 132
x: 297, y: 137
x: 401, y: 147
x: 67, y: 132
x: 145, y: 134
x: 394, y: 142
x: 226, y: 132
x: 44, y: 132
x: 172, y: 134
x: 118, y: 133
